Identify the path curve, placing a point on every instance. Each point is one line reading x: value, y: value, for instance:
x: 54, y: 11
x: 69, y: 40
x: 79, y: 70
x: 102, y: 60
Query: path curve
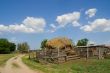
x: 9, y: 68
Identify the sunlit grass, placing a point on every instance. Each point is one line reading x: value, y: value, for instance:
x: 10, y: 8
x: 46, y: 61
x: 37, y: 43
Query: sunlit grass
x: 4, y: 58
x: 75, y: 66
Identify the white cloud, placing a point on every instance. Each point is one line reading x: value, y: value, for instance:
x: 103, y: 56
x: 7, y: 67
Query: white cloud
x: 34, y: 22
x: 3, y: 27
x: 53, y: 28
x: 76, y: 24
x: 69, y: 18
x: 65, y: 19
x: 86, y: 28
x: 29, y: 25
x: 97, y: 25
x: 20, y: 28
x: 91, y: 12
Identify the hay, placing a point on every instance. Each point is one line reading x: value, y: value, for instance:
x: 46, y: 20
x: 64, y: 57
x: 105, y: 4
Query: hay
x: 59, y: 42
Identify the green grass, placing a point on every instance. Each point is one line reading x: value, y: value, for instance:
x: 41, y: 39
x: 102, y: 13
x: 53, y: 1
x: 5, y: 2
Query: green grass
x: 76, y: 66
x: 4, y: 58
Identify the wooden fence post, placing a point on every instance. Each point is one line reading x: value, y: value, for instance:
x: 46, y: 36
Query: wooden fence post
x: 29, y: 55
x: 45, y: 51
x: 99, y: 54
x: 58, y: 54
x: 87, y: 52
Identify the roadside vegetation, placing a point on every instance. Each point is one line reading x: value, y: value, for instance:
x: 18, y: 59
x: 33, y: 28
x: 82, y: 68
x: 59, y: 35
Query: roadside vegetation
x: 75, y: 66
x: 4, y: 58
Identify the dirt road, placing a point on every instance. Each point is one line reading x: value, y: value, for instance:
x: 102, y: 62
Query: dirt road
x: 15, y: 65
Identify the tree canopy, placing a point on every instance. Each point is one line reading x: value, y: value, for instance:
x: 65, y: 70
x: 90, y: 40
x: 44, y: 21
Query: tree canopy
x: 82, y: 42
x: 6, y: 46
x: 23, y: 47
x: 43, y: 43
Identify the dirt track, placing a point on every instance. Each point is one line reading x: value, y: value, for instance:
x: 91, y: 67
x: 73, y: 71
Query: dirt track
x: 22, y: 68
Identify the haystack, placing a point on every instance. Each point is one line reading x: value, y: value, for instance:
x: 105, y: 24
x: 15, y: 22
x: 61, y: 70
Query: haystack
x: 59, y: 42
x: 62, y: 43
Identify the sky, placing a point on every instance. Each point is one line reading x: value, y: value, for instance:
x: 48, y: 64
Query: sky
x: 34, y: 20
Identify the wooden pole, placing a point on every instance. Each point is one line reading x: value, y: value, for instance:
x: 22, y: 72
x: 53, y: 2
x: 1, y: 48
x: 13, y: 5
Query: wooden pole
x: 87, y: 52
x: 36, y: 54
x: 58, y: 52
x: 58, y: 55
x: 29, y: 54
x: 45, y: 54
x: 99, y: 53
x: 45, y: 51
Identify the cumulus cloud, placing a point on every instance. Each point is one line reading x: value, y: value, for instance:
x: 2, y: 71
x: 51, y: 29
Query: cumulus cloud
x: 53, y: 28
x: 91, y: 12
x: 69, y: 18
x: 3, y: 28
x: 65, y: 19
x: 34, y: 22
x: 29, y: 25
x: 97, y: 25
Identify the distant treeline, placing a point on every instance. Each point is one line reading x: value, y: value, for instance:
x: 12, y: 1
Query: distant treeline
x: 6, y: 46
x: 9, y: 47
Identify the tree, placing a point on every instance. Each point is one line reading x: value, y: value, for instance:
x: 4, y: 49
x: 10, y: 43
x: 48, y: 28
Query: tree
x: 43, y: 43
x: 23, y: 47
x: 6, y: 46
x: 82, y: 42
x: 72, y: 42
x: 12, y: 47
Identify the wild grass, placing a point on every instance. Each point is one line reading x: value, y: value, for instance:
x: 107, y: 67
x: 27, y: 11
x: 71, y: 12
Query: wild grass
x: 4, y: 58
x: 76, y: 66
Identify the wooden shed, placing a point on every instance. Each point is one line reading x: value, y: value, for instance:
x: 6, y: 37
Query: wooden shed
x: 93, y: 51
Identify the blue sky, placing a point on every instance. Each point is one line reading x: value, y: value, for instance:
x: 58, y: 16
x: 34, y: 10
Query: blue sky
x: 35, y: 20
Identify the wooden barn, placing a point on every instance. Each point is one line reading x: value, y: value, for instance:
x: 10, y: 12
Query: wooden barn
x: 93, y: 51
x: 59, y: 50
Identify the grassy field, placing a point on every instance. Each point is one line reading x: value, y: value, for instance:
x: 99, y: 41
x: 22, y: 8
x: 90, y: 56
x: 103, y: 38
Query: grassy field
x: 76, y: 66
x: 4, y: 58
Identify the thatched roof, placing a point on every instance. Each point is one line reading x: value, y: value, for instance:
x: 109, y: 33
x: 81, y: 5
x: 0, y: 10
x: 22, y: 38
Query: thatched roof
x: 59, y: 42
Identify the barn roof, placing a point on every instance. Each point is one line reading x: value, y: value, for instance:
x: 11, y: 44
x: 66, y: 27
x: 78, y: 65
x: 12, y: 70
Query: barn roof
x: 59, y: 42
x: 92, y: 46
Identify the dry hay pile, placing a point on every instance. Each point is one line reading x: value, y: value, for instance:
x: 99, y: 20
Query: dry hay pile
x: 62, y: 43
x: 59, y: 42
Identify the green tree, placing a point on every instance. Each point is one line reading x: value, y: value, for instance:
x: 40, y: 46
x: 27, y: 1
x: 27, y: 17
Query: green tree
x: 12, y: 47
x: 23, y: 47
x: 43, y: 43
x: 82, y: 42
x: 6, y: 46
